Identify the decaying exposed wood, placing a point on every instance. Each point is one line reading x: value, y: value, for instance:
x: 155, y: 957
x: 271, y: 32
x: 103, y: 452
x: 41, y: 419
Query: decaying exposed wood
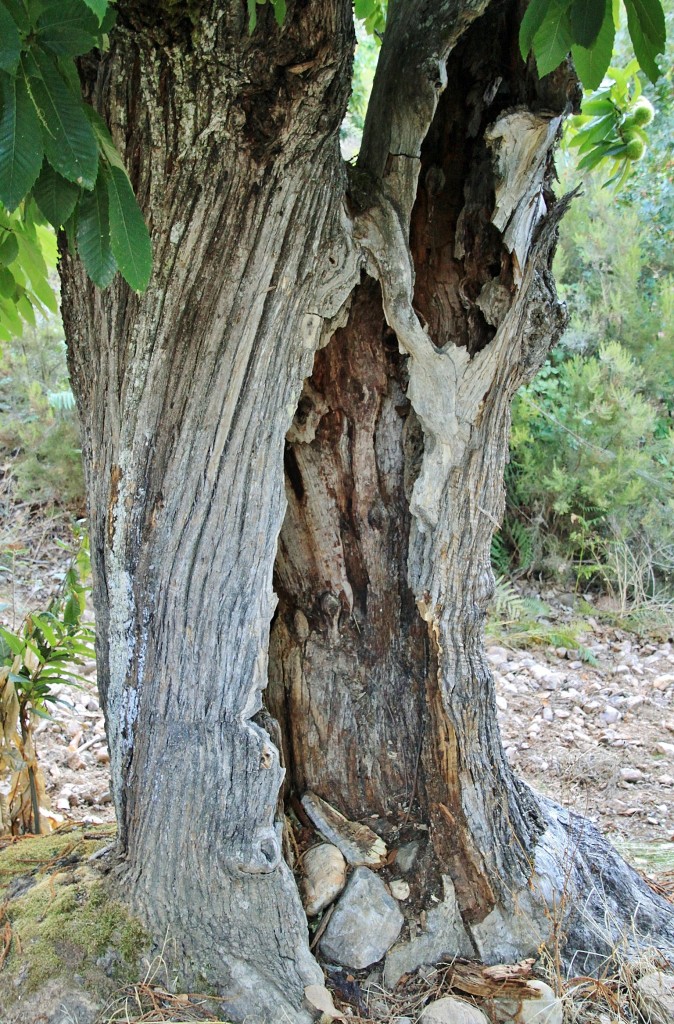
x: 502, y: 981
x: 375, y: 432
x: 359, y: 845
x: 458, y: 224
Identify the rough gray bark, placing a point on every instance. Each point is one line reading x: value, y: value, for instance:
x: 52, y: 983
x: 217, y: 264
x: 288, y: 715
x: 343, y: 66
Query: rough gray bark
x: 186, y: 394
x: 393, y: 466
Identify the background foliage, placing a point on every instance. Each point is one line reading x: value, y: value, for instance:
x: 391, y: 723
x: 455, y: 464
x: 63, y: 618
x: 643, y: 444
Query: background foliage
x: 590, y: 485
x: 39, y: 436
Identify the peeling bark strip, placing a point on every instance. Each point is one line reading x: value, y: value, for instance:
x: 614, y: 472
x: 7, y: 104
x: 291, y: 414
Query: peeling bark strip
x: 393, y: 468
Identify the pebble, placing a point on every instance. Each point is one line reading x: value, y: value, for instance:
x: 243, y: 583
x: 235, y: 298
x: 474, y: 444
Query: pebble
x: 610, y: 715
x: 406, y: 856
x: 656, y: 995
x: 399, y: 889
x: 324, y: 877
x: 631, y: 774
x: 547, y: 1009
x: 365, y: 923
x: 665, y: 748
x: 497, y: 655
x: 451, y: 1010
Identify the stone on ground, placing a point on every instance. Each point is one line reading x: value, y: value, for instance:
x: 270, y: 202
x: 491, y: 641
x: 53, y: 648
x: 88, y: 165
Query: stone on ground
x: 444, y: 930
x: 365, y: 923
x: 547, y: 1009
x: 407, y: 855
x: 324, y: 877
x: 656, y: 995
x: 452, y: 1011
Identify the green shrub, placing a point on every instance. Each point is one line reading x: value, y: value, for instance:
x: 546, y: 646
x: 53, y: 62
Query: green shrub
x: 39, y: 437
x: 592, y: 468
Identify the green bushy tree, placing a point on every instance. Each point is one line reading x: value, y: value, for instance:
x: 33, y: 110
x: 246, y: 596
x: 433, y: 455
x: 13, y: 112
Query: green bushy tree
x: 592, y: 436
x: 39, y: 433
x: 590, y: 462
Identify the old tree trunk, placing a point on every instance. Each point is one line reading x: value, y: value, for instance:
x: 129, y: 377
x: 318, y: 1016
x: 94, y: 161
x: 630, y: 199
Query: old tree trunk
x: 336, y: 345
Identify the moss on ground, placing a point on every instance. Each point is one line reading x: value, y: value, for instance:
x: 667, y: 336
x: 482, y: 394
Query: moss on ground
x: 23, y: 856
x: 64, y: 921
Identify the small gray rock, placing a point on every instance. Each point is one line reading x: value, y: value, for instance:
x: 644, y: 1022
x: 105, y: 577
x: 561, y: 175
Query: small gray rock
x: 452, y: 1011
x: 547, y: 1009
x: 444, y: 930
x: 407, y: 855
x: 324, y: 877
x: 400, y: 890
x: 656, y: 995
x: 365, y: 924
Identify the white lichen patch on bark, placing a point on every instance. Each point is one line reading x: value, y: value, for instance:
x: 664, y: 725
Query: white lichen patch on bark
x: 122, y: 695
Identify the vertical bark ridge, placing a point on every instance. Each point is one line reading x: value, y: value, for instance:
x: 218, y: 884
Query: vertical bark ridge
x: 185, y: 402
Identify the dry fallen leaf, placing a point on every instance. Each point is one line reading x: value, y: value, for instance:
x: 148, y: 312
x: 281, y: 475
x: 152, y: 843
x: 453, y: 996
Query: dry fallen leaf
x: 321, y: 999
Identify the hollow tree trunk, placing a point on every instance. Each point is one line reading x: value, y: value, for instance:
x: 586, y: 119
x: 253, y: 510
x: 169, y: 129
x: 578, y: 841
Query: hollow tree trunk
x: 394, y: 480
x: 393, y: 467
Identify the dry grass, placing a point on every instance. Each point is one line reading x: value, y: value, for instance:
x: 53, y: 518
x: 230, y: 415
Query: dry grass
x: 148, y: 1002
x: 614, y: 996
